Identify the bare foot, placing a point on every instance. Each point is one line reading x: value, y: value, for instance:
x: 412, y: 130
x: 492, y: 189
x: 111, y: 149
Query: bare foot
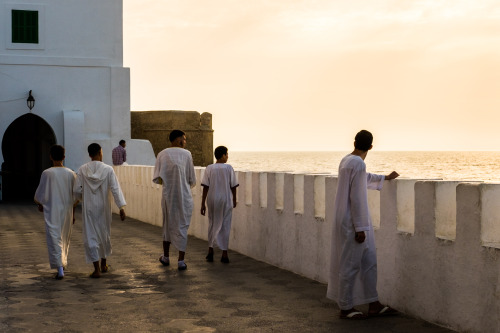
x: 104, y: 266
x: 95, y: 274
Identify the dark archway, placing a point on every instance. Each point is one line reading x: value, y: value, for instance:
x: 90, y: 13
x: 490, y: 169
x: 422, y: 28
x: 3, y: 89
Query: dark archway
x: 25, y: 149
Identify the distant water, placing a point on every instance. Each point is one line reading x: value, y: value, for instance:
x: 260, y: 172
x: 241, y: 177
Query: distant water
x: 473, y: 166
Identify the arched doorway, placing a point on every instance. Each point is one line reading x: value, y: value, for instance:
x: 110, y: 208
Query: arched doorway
x: 25, y: 149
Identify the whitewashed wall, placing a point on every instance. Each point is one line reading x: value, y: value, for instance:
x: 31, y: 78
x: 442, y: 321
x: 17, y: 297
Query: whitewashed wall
x: 437, y: 241
x: 71, y: 33
x: 77, y: 76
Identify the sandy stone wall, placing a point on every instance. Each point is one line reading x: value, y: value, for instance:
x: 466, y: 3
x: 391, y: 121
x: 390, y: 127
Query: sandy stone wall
x: 155, y: 126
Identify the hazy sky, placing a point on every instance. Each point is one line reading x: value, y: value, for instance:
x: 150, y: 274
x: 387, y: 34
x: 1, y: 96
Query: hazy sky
x: 307, y: 75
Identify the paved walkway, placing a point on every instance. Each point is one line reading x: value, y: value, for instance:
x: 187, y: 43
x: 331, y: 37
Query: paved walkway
x: 140, y: 295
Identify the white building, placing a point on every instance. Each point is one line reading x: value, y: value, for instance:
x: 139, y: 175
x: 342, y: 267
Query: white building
x: 69, y: 53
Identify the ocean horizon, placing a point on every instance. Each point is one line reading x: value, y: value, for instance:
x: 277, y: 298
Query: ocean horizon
x: 446, y: 165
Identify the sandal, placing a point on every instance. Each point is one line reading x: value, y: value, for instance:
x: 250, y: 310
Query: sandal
x: 385, y: 311
x: 164, y: 262
x: 353, y: 315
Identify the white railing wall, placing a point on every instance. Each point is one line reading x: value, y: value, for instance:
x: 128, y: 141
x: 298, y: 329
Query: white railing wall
x: 437, y: 241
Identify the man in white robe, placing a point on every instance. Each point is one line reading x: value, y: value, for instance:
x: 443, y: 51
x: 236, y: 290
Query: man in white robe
x: 93, y: 183
x: 353, y: 269
x: 54, y: 197
x: 175, y: 170
x: 219, y: 187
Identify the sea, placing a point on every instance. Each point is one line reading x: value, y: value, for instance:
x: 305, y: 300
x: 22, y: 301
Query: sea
x: 446, y: 165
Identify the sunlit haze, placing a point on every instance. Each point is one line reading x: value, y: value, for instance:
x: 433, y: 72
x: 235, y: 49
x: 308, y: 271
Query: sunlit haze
x: 307, y: 75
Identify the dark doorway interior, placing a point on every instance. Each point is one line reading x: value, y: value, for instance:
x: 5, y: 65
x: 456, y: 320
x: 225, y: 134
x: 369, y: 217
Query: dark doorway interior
x: 25, y: 149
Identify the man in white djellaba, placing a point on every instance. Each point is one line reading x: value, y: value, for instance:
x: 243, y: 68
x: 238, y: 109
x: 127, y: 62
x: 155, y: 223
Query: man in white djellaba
x: 174, y: 169
x: 353, y: 266
x: 54, y: 197
x: 219, y: 187
x: 93, y: 183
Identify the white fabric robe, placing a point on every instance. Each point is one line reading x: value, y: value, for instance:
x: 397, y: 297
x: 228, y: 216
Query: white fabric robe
x: 174, y: 169
x: 94, y: 181
x: 220, y: 179
x: 55, y: 194
x: 353, y: 266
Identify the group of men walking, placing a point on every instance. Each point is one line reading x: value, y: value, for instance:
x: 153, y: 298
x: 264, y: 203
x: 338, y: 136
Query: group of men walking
x: 353, y: 269
x: 60, y: 190
x: 58, y: 193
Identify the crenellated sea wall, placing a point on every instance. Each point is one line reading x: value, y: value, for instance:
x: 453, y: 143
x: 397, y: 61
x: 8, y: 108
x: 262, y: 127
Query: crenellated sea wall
x: 437, y: 241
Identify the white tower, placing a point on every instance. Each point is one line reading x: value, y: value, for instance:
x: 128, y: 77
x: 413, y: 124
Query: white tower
x: 69, y: 53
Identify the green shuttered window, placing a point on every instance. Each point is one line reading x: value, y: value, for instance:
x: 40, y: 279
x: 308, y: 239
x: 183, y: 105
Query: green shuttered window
x: 25, y: 26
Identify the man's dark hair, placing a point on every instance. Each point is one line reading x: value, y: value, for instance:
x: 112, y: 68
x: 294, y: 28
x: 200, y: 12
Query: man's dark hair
x: 175, y: 134
x: 220, y: 151
x: 121, y: 142
x: 94, y: 149
x: 363, y: 140
x: 57, y: 152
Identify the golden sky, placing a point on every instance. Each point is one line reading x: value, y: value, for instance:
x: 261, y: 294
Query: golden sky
x: 307, y: 75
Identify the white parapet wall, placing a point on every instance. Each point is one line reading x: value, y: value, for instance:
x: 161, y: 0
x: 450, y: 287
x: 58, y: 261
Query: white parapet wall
x: 437, y: 241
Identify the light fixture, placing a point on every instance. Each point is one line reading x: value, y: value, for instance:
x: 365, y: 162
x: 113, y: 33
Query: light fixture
x: 30, y: 101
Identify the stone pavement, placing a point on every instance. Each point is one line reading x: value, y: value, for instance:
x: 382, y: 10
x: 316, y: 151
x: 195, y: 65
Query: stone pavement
x: 140, y: 295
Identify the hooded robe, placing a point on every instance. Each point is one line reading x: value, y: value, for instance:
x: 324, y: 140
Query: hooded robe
x: 93, y: 183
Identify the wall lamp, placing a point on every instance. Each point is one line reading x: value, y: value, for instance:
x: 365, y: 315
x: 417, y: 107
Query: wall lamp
x: 30, y: 101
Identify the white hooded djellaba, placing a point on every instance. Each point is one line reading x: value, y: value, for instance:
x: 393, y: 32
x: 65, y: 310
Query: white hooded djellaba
x: 353, y: 269
x: 93, y: 183
x: 55, y: 194
x: 174, y: 169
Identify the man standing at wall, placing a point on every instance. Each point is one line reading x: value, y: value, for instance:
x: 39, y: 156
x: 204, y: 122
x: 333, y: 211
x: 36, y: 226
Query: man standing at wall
x: 119, y: 154
x: 174, y: 169
x: 353, y: 266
